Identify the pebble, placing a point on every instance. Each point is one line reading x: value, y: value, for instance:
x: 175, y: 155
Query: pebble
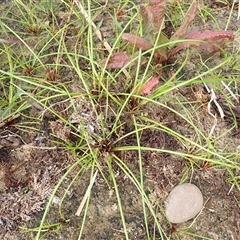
x: 183, y: 203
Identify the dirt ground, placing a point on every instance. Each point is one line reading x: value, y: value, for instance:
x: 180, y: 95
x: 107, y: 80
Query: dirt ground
x: 31, y: 164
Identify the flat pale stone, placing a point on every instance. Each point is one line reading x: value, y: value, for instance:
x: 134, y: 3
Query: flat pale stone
x: 183, y: 203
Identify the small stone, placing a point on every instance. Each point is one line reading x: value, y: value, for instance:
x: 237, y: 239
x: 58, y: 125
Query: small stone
x: 183, y: 203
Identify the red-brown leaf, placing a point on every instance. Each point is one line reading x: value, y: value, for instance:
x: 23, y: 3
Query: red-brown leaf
x: 118, y: 60
x: 148, y: 87
x: 153, y: 15
x: 10, y: 41
x: 210, y: 36
x: 181, y: 31
x: 139, y: 41
x: 215, y: 40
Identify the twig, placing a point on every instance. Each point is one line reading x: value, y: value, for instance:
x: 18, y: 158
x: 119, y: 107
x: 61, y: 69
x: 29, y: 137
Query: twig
x: 213, y: 99
x: 213, y: 96
x: 79, y: 210
x: 98, y: 33
x: 229, y: 90
x: 9, y: 120
x: 238, y: 10
x: 29, y: 146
